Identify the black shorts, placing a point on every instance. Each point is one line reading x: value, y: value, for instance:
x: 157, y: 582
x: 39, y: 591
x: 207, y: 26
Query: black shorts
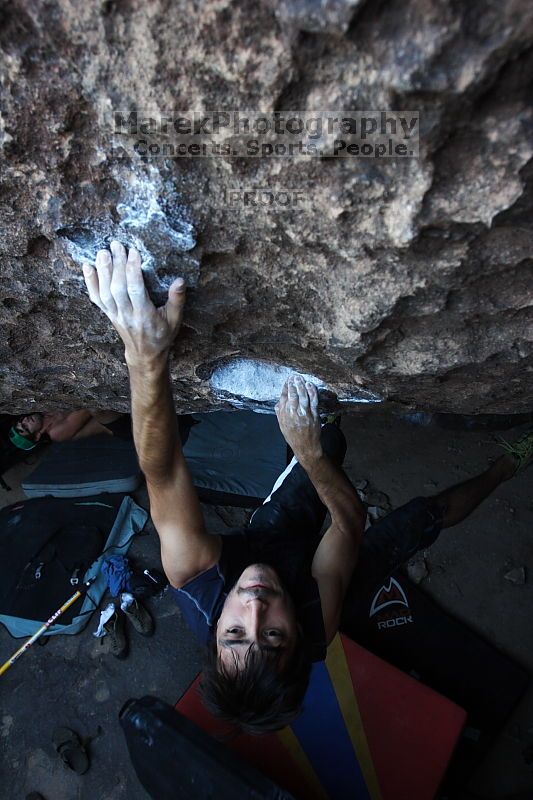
x: 394, y: 539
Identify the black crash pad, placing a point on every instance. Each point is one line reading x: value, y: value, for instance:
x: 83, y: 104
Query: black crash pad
x: 402, y: 624
x: 235, y: 457
x: 85, y: 467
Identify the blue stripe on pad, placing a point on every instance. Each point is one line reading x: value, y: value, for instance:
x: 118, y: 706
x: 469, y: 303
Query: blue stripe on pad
x: 322, y: 734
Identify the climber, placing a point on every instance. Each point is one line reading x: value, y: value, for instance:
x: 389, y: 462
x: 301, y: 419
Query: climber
x: 268, y: 599
x: 270, y: 626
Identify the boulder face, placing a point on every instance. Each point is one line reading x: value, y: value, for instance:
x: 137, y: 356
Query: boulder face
x: 404, y: 279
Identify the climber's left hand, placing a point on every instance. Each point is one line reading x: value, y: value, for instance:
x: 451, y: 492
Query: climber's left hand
x: 117, y: 287
x: 299, y: 419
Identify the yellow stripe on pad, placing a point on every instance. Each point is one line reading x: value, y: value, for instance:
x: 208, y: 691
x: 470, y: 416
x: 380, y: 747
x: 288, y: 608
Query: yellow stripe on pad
x: 295, y: 750
x: 341, y: 679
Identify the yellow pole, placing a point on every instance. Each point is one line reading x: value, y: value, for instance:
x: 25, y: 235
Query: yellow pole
x: 42, y: 629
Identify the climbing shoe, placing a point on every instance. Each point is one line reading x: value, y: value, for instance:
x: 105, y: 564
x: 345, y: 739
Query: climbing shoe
x: 115, y: 629
x: 331, y: 419
x: 521, y: 450
x: 139, y: 617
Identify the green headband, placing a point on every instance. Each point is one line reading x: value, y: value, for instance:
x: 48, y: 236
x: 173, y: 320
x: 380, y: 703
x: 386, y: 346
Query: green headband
x: 20, y: 441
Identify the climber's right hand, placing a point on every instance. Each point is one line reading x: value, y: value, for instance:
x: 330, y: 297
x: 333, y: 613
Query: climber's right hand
x: 117, y: 287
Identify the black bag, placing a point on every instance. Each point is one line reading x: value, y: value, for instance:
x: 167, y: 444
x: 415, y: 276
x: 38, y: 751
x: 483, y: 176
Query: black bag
x: 176, y: 760
x: 46, y: 546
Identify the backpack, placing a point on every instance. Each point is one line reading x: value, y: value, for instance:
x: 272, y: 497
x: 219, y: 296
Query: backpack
x: 48, y: 544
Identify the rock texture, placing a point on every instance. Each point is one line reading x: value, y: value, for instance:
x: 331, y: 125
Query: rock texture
x: 410, y: 279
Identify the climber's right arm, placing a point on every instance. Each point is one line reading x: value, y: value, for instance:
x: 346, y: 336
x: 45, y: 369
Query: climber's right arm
x: 117, y: 288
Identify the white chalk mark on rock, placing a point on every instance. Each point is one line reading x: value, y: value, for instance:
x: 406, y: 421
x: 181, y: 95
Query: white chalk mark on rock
x: 153, y: 219
x: 245, y: 380
x: 255, y: 380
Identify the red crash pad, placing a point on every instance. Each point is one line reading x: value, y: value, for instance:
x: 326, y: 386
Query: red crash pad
x: 367, y: 731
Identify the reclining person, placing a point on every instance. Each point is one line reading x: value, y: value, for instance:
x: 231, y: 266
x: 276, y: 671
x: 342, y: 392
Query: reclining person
x: 64, y: 426
x: 266, y: 600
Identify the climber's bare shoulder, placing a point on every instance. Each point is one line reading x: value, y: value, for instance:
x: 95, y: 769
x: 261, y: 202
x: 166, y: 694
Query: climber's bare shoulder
x: 187, y: 549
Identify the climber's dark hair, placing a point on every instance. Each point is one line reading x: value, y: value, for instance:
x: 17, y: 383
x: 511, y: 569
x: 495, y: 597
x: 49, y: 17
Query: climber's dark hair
x: 260, y: 697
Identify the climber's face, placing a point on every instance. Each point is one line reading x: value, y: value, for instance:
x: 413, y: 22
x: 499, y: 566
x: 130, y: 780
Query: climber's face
x: 29, y: 425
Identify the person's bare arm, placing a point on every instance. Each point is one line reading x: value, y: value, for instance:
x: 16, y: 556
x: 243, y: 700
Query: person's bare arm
x: 92, y: 428
x: 76, y: 425
x: 336, y: 555
x: 117, y: 288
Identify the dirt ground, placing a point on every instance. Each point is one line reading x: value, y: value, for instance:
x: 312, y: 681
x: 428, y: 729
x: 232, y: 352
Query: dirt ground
x: 72, y: 682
